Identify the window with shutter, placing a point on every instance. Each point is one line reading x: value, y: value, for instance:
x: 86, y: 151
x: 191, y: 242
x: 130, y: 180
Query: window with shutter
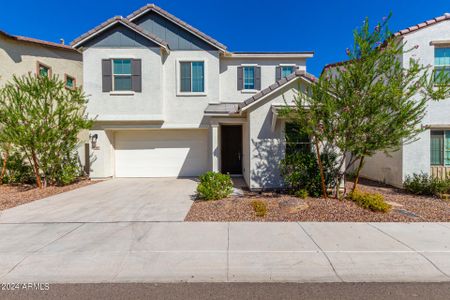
x: 437, y: 147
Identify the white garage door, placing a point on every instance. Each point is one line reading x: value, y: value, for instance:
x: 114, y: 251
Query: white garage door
x: 161, y: 153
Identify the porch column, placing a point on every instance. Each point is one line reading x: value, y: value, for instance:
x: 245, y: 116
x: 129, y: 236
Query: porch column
x: 214, y: 138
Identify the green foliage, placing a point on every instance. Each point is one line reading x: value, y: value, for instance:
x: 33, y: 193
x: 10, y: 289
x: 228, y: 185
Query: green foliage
x: 260, y: 207
x: 214, y: 186
x: 303, y: 194
x: 372, y: 201
x: 422, y: 184
x: 371, y: 103
x: 42, y: 120
x: 300, y: 171
x: 17, y: 170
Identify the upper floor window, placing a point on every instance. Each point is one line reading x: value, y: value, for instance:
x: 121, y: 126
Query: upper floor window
x: 284, y: 71
x: 192, y: 77
x: 122, y: 75
x: 441, y: 63
x: 249, y: 78
x: 70, y: 82
x: 43, y: 70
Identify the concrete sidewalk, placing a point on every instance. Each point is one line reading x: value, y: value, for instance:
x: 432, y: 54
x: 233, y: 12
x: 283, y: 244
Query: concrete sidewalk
x: 224, y: 252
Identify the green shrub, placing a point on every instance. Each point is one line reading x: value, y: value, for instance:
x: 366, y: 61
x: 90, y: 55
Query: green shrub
x: 372, y: 201
x: 301, y: 171
x: 303, y: 194
x: 17, y: 170
x: 214, y: 186
x: 260, y: 208
x: 423, y: 184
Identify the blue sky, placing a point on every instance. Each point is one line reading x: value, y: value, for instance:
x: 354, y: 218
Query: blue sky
x: 255, y: 25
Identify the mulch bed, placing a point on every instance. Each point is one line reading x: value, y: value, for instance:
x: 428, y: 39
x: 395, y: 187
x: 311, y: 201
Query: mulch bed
x: 411, y: 208
x: 14, y: 195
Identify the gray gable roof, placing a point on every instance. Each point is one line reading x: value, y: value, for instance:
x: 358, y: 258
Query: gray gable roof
x: 78, y: 42
x: 152, y: 7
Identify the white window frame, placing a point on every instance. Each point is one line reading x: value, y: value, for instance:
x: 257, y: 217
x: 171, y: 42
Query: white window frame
x: 114, y: 91
x: 178, y: 77
x: 244, y: 90
x: 287, y: 65
x: 434, y: 59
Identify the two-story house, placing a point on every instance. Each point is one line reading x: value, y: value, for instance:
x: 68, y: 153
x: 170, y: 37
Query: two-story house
x: 430, y: 152
x: 171, y: 101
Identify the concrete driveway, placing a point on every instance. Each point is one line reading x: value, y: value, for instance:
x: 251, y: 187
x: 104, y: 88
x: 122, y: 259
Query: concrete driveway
x: 116, y: 200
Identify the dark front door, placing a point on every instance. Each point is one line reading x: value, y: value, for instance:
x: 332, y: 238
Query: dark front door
x: 231, y: 149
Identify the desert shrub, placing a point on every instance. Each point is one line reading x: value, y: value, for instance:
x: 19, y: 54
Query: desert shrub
x: 423, y: 184
x: 260, y: 208
x: 214, y: 186
x: 303, y: 194
x: 300, y: 171
x: 42, y: 119
x: 372, y: 201
x: 18, y: 170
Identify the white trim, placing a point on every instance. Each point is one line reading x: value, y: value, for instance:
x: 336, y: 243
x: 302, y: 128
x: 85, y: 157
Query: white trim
x: 178, y: 24
x: 121, y: 92
x: 178, y: 78
x: 269, y: 55
x: 287, y: 65
x: 249, y: 91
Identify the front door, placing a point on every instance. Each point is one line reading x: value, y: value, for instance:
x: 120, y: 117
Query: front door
x: 231, y: 149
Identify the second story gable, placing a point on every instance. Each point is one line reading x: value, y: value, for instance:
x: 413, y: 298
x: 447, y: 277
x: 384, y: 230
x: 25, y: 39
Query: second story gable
x: 151, y: 66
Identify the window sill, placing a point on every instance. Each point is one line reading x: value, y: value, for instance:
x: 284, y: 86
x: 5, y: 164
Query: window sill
x: 249, y: 91
x: 183, y: 94
x: 121, y: 93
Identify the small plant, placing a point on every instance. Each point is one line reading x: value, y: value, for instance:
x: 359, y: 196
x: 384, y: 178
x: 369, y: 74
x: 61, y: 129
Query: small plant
x: 214, y: 186
x: 303, y: 194
x: 372, y: 201
x: 260, y: 208
x: 423, y: 184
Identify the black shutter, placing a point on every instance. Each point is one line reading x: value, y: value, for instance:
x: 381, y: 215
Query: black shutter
x: 278, y: 73
x: 257, y: 78
x: 106, y: 75
x: 240, y: 78
x: 136, y: 75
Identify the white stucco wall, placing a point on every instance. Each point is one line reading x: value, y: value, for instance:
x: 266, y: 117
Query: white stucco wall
x: 266, y: 145
x: 228, y: 75
x: 111, y: 106
x: 188, y: 110
x: 416, y: 156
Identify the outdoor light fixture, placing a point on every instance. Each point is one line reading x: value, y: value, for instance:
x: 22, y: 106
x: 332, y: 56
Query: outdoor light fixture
x: 94, y: 139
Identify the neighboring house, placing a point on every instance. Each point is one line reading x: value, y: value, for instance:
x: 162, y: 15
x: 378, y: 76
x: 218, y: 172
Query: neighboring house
x: 22, y: 55
x: 430, y: 153
x: 171, y: 101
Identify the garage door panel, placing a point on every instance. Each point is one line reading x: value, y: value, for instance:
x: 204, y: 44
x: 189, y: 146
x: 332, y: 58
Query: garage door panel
x: 164, y: 153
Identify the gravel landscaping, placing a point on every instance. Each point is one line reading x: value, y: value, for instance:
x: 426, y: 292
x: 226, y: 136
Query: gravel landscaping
x: 405, y: 208
x: 14, y: 195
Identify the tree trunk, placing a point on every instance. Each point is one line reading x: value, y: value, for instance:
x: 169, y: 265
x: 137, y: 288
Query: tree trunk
x: 36, y: 169
x: 5, y: 160
x: 322, y: 176
x: 358, y: 170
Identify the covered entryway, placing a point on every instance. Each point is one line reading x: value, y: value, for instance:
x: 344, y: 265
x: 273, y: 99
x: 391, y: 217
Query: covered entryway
x: 231, y: 149
x: 161, y: 153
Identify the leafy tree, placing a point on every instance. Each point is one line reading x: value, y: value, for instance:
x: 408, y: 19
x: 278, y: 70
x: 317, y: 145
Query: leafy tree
x: 41, y: 118
x: 372, y: 102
